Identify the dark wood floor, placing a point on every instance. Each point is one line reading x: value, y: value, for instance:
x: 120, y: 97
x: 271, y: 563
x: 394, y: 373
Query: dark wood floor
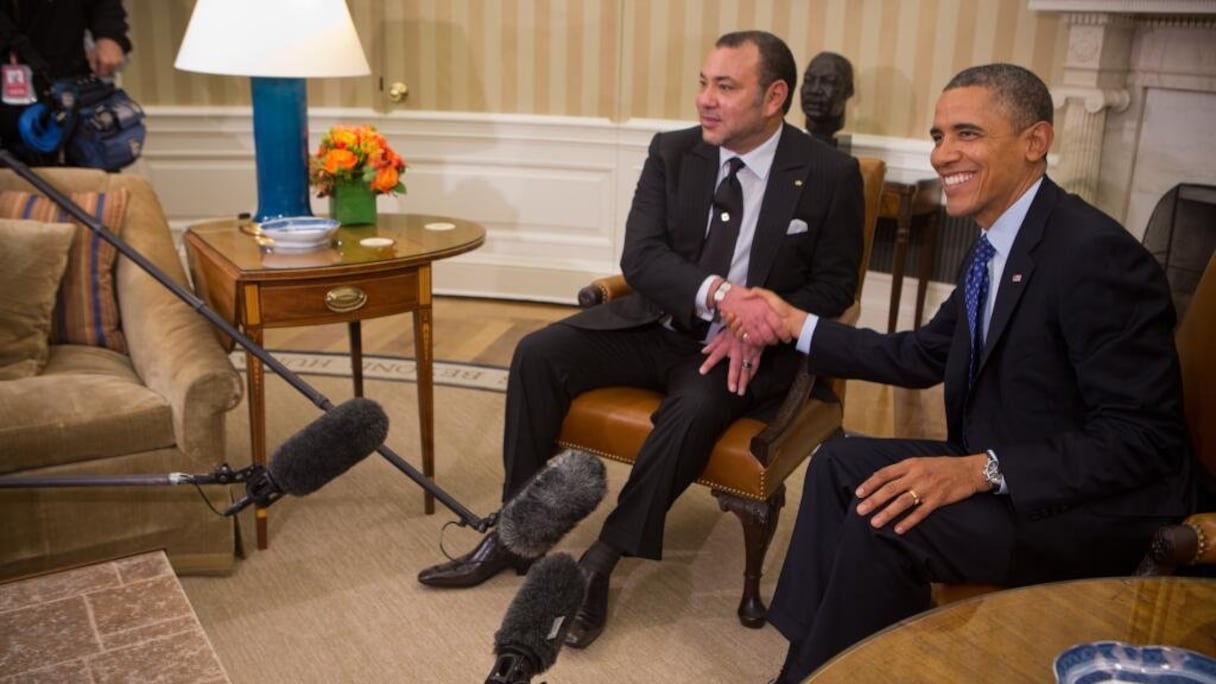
x: 485, y: 331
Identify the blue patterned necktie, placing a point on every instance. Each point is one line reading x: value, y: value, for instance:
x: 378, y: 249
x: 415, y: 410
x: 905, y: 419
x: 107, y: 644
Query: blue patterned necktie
x: 975, y: 295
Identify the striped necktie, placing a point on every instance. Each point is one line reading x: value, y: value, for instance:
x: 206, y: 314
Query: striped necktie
x: 719, y: 248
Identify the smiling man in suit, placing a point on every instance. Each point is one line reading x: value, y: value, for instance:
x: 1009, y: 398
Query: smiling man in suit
x: 1067, y: 446
x: 741, y: 200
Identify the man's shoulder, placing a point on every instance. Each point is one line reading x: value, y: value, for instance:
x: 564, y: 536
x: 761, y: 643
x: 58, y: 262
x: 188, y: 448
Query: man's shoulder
x: 680, y: 140
x: 1084, y: 220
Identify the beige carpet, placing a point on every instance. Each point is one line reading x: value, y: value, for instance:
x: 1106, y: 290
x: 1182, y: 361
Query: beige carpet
x: 334, y: 598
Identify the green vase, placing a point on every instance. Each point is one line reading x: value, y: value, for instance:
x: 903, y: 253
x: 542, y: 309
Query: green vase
x: 353, y: 204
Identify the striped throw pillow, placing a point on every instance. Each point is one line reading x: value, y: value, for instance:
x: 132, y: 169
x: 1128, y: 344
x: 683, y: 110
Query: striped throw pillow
x: 86, y: 308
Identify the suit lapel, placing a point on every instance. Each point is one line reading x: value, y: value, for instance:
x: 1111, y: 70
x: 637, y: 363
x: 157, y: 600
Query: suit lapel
x: 1019, y: 267
x: 699, y: 171
x: 792, y: 166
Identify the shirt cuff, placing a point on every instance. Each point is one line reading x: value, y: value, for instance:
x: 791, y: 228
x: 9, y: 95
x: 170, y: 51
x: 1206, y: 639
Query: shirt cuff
x: 808, y: 331
x: 703, y: 311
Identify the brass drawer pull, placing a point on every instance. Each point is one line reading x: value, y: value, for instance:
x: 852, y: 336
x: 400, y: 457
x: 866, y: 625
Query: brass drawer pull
x: 344, y: 299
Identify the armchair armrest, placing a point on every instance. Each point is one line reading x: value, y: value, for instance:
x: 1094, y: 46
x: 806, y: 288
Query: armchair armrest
x: 172, y: 347
x: 794, y: 405
x: 1192, y: 542
x: 603, y: 290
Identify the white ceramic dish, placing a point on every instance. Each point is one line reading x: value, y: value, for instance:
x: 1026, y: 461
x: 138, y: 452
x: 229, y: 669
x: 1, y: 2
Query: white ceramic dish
x: 1100, y: 662
x: 300, y: 233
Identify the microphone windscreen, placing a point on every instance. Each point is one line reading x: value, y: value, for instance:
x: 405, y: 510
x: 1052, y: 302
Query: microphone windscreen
x: 549, y: 505
x: 328, y: 446
x: 536, y: 621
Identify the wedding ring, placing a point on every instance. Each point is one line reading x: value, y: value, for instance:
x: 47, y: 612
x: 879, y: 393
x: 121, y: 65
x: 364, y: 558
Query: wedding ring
x: 915, y: 499
x: 747, y: 363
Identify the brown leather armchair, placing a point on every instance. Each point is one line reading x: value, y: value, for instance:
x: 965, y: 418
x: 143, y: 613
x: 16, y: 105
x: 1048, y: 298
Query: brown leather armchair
x: 1193, y: 542
x: 750, y: 462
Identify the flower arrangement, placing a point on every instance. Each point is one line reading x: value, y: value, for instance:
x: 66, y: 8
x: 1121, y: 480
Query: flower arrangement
x: 356, y: 154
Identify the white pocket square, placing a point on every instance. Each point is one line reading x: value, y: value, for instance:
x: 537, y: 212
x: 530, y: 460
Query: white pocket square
x: 796, y: 226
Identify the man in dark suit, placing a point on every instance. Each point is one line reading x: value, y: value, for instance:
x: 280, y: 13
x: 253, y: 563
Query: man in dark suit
x: 1067, y: 446
x: 795, y: 227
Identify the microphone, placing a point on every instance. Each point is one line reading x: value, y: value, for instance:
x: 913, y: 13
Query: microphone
x: 550, y: 504
x: 536, y: 622
x: 323, y: 450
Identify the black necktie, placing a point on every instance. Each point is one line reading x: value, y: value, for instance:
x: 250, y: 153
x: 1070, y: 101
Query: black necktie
x: 719, y: 248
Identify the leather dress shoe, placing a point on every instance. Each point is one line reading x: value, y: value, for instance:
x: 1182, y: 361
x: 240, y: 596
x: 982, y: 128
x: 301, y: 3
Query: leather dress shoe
x: 489, y: 558
x: 589, y: 620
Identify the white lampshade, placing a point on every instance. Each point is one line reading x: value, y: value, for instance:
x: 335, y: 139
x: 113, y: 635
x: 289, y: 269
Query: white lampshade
x: 272, y: 38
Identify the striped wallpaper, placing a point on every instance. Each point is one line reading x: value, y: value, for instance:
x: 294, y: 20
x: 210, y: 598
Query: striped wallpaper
x: 625, y: 59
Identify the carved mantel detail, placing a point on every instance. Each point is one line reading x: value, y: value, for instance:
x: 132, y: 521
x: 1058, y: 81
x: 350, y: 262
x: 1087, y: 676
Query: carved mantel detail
x: 1099, y: 80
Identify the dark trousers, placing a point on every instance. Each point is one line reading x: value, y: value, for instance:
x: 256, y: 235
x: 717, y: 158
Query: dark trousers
x: 557, y: 363
x: 843, y: 580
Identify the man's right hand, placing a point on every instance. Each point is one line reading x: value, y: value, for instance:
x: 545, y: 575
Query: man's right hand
x: 758, y: 322
x: 791, y: 318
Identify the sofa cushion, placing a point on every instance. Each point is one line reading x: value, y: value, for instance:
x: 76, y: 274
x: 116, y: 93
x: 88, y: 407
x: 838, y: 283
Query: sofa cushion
x: 88, y: 403
x: 32, y: 260
x: 86, y: 310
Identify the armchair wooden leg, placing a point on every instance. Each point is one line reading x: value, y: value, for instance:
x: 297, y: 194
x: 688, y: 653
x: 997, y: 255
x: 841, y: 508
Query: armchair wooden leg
x: 759, y: 520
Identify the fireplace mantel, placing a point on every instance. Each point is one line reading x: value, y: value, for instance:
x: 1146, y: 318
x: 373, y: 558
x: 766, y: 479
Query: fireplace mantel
x: 1134, y: 100
x: 1179, y: 7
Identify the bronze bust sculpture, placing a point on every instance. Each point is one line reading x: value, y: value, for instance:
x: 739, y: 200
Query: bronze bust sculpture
x: 827, y: 83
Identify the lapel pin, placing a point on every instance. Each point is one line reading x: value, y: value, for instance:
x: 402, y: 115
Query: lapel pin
x: 1017, y: 277
x: 725, y: 217
x: 798, y: 182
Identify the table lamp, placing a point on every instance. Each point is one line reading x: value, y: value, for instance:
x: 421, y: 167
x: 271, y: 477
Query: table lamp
x: 277, y: 43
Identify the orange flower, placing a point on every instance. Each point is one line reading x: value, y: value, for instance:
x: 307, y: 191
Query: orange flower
x: 386, y: 179
x: 344, y: 137
x: 356, y: 154
x: 338, y: 160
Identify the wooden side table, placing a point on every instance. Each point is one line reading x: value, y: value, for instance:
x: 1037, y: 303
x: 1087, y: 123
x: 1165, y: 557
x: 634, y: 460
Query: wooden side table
x: 910, y: 198
x: 258, y: 288
x: 1014, y: 635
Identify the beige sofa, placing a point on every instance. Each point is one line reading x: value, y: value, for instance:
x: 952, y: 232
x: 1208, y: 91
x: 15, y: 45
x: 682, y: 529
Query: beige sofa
x: 92, y: 411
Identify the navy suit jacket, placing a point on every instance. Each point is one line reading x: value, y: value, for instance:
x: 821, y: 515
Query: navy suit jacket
x: 1078, y: 390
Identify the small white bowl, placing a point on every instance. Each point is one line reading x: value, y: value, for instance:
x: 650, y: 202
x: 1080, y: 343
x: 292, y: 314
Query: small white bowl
x: 300, y: 232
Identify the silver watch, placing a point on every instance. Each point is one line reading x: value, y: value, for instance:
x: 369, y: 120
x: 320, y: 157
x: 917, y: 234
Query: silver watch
x: 720, y: 293
x: 992, y: 472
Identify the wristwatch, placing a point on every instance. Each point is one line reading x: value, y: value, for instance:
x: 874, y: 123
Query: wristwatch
x: 720, y: 293
x: 992, y: 472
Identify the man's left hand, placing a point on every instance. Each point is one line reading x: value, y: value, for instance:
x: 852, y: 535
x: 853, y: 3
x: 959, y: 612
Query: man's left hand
x: 918, y: 486
x: 106, y: 58
x: 744, y: 359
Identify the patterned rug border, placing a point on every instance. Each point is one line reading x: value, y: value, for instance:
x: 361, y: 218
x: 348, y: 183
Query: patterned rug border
x: 388, y: 368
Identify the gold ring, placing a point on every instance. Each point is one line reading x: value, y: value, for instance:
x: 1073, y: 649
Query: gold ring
x: 747, y: 363
x: 915, y: 499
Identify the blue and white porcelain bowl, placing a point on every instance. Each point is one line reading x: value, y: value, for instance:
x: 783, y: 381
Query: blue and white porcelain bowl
x: 300, y: 233
x: 1099, y: 662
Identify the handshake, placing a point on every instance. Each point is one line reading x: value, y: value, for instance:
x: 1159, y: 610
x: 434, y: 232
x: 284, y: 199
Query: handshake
x: 760, y: 317
x: 754, y: 318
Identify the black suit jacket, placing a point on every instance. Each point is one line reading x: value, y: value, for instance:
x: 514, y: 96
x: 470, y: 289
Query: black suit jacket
x: 816, y: 270
x: 1078, y: 390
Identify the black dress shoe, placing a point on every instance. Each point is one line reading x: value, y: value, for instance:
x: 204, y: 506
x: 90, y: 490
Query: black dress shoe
x: 489, y: 558
x: 589, y: 620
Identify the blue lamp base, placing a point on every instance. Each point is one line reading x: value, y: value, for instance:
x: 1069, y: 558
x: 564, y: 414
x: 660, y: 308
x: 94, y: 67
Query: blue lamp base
x: 280, y: 140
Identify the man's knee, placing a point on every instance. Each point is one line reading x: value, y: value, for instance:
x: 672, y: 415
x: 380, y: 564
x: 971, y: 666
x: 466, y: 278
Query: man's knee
x: 696, y: 411
x: 538, y: 345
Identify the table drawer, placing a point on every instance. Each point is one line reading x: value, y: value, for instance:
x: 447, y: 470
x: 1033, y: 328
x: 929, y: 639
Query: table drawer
x: 339, y: 299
